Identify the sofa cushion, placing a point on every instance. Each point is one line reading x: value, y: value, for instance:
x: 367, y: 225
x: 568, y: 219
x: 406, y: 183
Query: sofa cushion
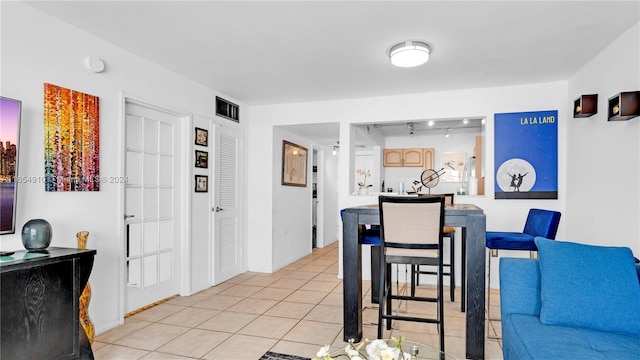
x: 594, y: 287
x: 525, y: 337
x: 519, y: 286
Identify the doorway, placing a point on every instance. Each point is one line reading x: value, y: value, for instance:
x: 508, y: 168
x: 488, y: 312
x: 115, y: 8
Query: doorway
x: 153, y: 153
x: 314, y: 201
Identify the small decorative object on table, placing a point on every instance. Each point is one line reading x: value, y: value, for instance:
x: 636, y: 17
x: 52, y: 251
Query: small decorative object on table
x: 363, y: 187
x: 374, y: 350
x: 85, y: 297
x: 36, y: 234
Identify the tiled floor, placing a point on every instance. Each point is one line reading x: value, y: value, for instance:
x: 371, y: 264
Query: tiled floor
x: 294, y: 311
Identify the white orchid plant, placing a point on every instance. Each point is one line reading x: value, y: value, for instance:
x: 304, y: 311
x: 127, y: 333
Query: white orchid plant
x: 365, y: 174
x: 374, y: 350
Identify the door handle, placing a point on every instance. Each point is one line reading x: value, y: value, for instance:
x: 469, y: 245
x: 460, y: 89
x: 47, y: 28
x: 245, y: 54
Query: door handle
x: 127, y: 227
x: 129, y: 216
x: 217, y: 209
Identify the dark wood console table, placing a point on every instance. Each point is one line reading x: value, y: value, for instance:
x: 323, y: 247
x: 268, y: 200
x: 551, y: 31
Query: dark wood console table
x: 40, y: 304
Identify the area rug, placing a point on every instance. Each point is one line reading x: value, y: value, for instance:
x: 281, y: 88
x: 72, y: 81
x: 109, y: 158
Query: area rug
x: 269, y: 355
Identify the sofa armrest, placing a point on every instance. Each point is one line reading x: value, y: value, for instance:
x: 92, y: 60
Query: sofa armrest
x: 519, y: 286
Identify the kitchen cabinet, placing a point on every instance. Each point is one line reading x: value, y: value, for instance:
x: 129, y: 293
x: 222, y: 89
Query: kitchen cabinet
x: 412, y: 157
x: 392, y: 157
x: 429, y: 156
x: 409, y: 157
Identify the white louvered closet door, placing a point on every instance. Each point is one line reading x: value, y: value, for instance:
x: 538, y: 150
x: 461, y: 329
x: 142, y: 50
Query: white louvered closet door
x: 227, y: 249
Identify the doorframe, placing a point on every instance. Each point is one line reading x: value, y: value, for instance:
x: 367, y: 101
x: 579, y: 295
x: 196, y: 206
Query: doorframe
x: 184, y: 247
x: 320, y: 187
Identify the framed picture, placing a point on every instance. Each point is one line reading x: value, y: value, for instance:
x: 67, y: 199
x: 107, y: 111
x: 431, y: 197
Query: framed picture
x: 202, y: 159
x: 202, y: 137
x: 202, y: 183
x: 294, y: 164
x: 526, y: 155
x: 10, y: 112
x: 72, y: 146
x: 453, y: 165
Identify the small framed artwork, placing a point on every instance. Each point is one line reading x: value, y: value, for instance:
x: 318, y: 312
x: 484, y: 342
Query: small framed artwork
x: 202, y: 159
x: 202, y: 137
x: 202, y: 183
x: 453, y: 165
x: 294, y: 164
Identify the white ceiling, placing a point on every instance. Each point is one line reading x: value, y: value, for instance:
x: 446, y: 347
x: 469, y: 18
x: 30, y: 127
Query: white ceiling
x: 267, y: 52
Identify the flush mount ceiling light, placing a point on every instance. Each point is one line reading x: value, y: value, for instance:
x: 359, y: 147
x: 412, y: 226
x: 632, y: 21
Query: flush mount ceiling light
x: 409, y: 53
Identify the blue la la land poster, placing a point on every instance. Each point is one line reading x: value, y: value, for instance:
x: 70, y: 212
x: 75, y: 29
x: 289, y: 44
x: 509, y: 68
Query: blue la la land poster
x: 526, y: 155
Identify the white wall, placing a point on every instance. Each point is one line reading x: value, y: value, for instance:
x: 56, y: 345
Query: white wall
x: 581, y: 141
x: 36, y: 48
x: 291, y: 211
x: 501, y: 214
x: 201, y: 248
x: 330, y: 198
x: 586, y: 146
x: 603, y: 204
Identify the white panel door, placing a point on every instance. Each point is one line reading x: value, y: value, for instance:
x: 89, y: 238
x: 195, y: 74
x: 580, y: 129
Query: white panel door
x: 227, y: 249
x: 152, y: 199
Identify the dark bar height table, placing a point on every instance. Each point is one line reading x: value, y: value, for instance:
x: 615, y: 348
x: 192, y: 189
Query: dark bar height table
x: 470, y: 218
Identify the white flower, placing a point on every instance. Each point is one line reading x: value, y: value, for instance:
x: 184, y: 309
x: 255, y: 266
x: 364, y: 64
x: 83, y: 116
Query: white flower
x: 365, y: 174
x: 324, y: 351
x: 352, y: 353
x: 389, y: 354
x: 375, y: 348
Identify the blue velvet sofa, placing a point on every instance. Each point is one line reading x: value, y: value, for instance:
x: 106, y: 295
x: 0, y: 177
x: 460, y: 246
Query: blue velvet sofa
x: 583, y: 307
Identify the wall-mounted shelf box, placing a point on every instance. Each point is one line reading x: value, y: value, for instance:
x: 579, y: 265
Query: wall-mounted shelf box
x: 585, y: 106
x: 624, y: 106
x: 227, y: 109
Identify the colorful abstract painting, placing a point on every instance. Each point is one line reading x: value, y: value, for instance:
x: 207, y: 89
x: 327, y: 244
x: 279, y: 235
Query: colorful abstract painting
x: 71, y: 140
